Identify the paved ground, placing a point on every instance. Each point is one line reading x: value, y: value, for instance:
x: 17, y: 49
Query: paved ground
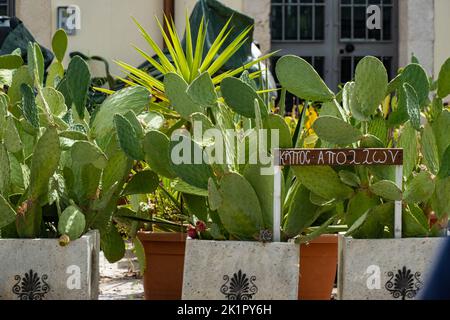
x: 121, y: 280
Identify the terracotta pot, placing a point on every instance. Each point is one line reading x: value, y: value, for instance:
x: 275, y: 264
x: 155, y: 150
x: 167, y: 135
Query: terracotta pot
x: 318, y: 264
x: 164, y: 254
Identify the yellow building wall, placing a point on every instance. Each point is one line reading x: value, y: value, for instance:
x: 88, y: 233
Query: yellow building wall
x: 106, y: 27
x: 442, y: 29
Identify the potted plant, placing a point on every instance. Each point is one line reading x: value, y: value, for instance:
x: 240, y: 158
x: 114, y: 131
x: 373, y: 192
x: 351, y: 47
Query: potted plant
x: 164, y: 244
x: 318, y: 252
x: 233, y: 197
x: 161, y: 228
x: 373, y: 113
x: 62, y: 176
x: 188, y: 100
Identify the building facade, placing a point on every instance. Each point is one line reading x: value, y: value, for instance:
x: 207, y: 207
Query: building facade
x: 332, y: 34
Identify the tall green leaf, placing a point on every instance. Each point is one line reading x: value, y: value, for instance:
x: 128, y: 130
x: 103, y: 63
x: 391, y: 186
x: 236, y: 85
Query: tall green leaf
x: 187, y: 161
x: 240, y: 211
x: 371, y: 81
x: 323, y: 181
x: 408, y: 142
x: 44, y: 163
x: 335, y: 130
x: 30, y: 111
x: 157, y: 153
x: 59, y: 44
x: 299, y: 78
x: 78, y: 83
x: 444, y: 80
x: 129, y: 139
x: 134, y: 99
x: 409, y: 97
x: 416, y: 76
x: 430, y: 149
x: 35, y: 63
x: 176, y: 90
x: 240, y: 97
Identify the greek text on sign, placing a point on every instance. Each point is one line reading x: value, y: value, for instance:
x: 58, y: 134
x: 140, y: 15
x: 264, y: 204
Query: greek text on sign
x: 339, y: 157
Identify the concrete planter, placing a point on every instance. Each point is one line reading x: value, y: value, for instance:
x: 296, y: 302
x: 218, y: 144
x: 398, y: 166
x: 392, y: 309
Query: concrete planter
x: 384, y: 269
x: 40, y: 269
x: 237, y: 270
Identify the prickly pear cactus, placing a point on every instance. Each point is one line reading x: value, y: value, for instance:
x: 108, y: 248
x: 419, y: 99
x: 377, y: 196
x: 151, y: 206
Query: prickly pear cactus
x: 240, y: 97
x: 380, y: 115
x: 240, y: 211
x: 371, y: 83
x: 310, y: 87
x: 176, y: 91
x: 72, y: 222
x: 57, y: 162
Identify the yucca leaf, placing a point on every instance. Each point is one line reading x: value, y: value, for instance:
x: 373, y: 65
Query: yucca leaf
x: 156, y: 92
x: 127, y: 82
x: 229, y: 51
x: 137, y: 81
x: 152, y: 61
x: 255, y: 75
x: 103, y: 90
x: 170, y: 47
x: 141, y: 75
x: 189, y: 50
x: 175, y: 39
x: 221, y: 37
x: 198, y: 55
x: 218, y: 79
x: 212, y: 53
x: 164, y: 60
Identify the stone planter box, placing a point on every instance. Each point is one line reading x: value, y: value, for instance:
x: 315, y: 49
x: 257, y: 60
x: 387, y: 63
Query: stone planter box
x: 237, y: 270
x: 40, y: 269
x: 384, y: 269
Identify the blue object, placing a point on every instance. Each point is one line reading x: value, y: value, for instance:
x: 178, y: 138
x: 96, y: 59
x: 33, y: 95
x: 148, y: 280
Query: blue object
x: 438, y: 285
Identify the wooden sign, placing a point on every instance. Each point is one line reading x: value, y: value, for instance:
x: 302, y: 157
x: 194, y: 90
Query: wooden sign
x: 339, y: 157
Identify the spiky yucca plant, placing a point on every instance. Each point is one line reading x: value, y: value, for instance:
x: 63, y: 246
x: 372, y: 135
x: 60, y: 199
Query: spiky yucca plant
x: 190, y: 60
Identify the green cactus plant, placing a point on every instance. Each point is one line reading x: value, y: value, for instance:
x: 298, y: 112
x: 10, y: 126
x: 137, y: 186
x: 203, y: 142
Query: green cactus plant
x: 72, y: 222
x: 444, y: 80
x: 240, y: 210
x: 371, y: 83
x: 311, y: 87
x: 412, y: 122
x: 240, y: 97
x: 56, y: 161
x: 368, y: 113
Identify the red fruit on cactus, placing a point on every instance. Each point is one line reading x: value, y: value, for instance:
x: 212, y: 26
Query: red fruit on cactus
x: 192, y: 233
x: 200, y: 226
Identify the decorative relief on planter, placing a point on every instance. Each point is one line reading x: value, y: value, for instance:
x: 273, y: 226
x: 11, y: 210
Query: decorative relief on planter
x: 240, y: 270
x: 47, y: 271
x: 385, y: 269
x: 240, y: 287
x: 404, y: 284
x: 30, y: 286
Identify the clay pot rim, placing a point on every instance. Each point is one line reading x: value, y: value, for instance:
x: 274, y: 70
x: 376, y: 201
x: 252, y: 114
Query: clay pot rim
x: 325, y: 239
x: 180, y: 236
x: 162, y: 236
